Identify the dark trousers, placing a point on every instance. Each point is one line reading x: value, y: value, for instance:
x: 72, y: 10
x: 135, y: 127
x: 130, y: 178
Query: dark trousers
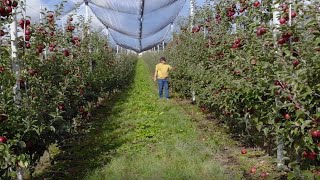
x: 163, y: 83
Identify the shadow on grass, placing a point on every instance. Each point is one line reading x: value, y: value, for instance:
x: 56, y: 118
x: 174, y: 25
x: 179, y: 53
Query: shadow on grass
x: 91, y: 150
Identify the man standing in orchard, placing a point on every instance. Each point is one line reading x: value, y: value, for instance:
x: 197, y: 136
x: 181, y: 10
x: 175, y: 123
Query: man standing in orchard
x: 161, y: 74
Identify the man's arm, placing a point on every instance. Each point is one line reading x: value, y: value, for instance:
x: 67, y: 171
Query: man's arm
x: 155, y: 74
x: 171, y: 68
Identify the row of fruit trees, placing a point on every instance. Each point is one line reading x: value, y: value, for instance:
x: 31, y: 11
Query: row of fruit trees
x: 50, y: 81
x: 256, y: 64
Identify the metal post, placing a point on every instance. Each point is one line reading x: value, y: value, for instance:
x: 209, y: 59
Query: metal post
x: 117, y: 49
x: 19, y: 173
x: 290, y: 11
x: 162, y: 45
x: 16, y: 65
x: 275, y: 15
x: 14, y: 56
x: 192, y: 4
x: 279, y: 141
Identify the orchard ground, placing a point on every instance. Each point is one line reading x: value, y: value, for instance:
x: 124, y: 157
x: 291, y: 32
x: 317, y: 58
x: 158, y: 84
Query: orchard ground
x: 135, y: 135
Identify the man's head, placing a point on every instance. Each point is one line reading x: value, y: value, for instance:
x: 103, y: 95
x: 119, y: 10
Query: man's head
x: 163, y: 60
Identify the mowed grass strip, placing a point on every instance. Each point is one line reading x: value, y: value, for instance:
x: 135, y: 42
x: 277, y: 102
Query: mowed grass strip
x: 158, y: 139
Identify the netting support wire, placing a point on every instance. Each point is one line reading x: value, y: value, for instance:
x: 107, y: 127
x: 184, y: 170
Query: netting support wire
x: 141, y: 21
x: 88, y: 32
x: 171, y: 28
x: 14, y: 56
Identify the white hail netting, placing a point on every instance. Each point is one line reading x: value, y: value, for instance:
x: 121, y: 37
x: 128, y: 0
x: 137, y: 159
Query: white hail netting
x: 134, y: 24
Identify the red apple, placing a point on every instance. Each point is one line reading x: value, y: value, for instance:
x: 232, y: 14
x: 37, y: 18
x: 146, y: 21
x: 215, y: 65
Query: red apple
x: 81, y: 109
x: 305, y: 154
x: 261, y: 31
x: 282, y: 20
x: 3, y: 139
x: 253, y: 170
x: 27, y: 37
x: 293, y: 14
x: 287, y: 116
x: 243, y: 151
x: 2, y: 33
x: 287, y: 35
x: 3, y: 11
x: 14, y: 4
x: 8, y: 9
x: 28, y: 22
x: 50, y: 15
x: 28, y: 32
x: 61, y: 107
x: 237, y: 41
x: 51, y: 33
x: 66, y: 52
x: 39, y: 51
x: 2, y: 69
x: 231, y: 13
x: 282, y: 41
x: 315, y: 133
x: 277, y: 83
x: 312, y: 155
x: 71, y: 28
x: 7, y: 2
x: 295, y: 62
x: 234, y: 46
x: 21, y: 22
x: 28, y: 45
x: 195, y: 29
x: 264, y: 174
x: 256, y: 4
x: 32, y: 72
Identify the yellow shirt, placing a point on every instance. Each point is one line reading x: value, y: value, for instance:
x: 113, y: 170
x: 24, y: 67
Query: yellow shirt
x: 162, y: 70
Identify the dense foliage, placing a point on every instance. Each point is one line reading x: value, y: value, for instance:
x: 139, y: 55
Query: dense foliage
x: 262, y: 78
x: 59, y: 77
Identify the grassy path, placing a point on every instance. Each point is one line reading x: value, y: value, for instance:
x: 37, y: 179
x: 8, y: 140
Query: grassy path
x: 158, y: 139
x: 139, y: 136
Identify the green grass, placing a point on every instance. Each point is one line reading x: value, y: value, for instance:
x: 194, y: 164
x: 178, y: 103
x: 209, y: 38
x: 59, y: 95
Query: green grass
x: 161, y: 142
x: 139, y: 136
